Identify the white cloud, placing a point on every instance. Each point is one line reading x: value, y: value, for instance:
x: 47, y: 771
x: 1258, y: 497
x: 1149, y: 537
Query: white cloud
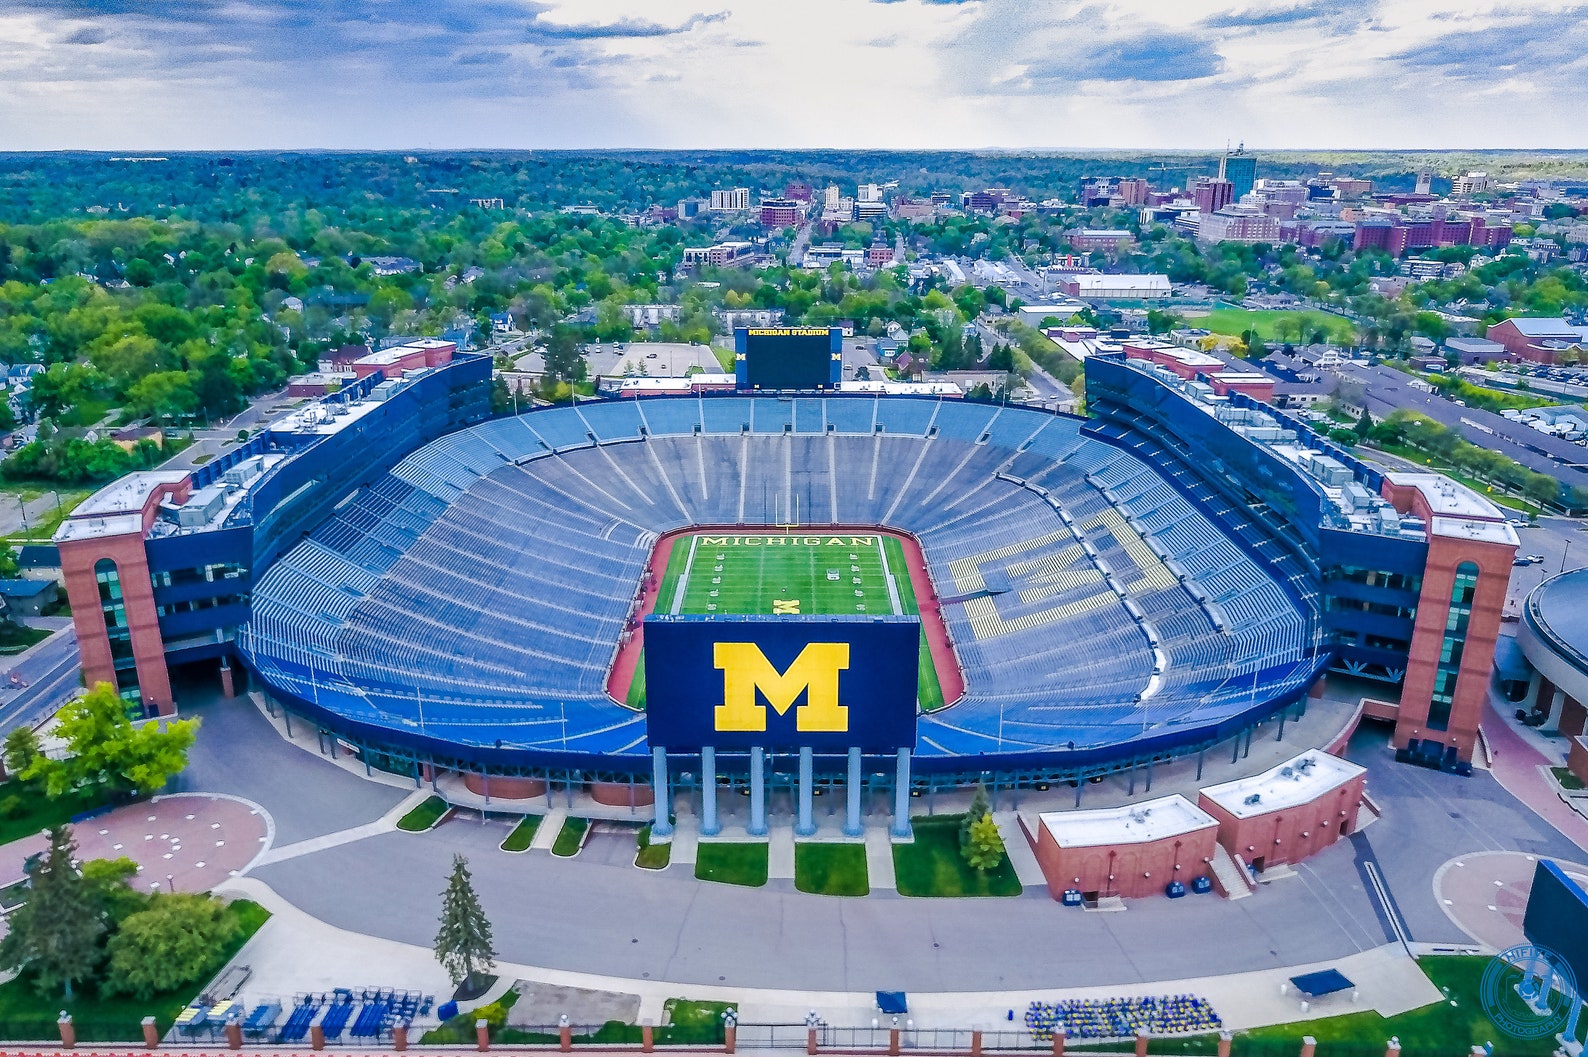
x: 757, y: 73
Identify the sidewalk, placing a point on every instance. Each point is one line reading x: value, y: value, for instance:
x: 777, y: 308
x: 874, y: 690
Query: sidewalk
x: 1517, y: 767
x: 296, y: 952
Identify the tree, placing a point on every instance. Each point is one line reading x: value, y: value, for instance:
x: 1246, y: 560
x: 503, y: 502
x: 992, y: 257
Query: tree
x: 54, y: 936
x: 985, y: 849
x: 163, y: 395
x: 105, y: 749
x: 178, y: 939
x: 463, y: 941
x: 564, y: 359
x: 20, y: 750
x: 1364, y: 425
x: 979, y: 806
x: 109, y: 883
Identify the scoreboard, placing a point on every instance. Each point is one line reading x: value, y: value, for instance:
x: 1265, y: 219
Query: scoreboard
x: 778, y: 358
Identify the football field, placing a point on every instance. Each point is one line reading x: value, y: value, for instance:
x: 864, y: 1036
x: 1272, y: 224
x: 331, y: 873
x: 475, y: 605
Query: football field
x: 791, y: 573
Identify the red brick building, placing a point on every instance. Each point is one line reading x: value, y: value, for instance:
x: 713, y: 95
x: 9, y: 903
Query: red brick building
x: 1289, y: 812
x: 1541, y: 340
x: 1129, y: 851
x: 1462, y: 595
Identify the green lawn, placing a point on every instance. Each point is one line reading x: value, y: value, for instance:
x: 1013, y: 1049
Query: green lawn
x: 1277, y: 325
x: 523, y: 834
x: 44, y: 528
x: 15, y: 638
x: 24, y: 812
x: 733, y: 864
x: 652, y: 856
x: 831, y: 869
x: 425, y: 816
x: 571, y: 837
x: 25, y: 1014
x: 1567, y: 780
x: 726, y: 358
x: 750, y: 579
x: 688, y: 1023
x: 933, y: 866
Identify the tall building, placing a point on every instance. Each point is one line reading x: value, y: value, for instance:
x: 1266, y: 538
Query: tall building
x: 1212, y: 195
x: 1239, y: 169
x: 781, y: 213
x: 1425, y: 182
x: 730, y: 200
x: 1132, y: 191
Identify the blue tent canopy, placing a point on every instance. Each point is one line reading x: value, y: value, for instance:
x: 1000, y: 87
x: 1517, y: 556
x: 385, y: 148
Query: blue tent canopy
x: 892, y: 1002
x: 1324, y: 982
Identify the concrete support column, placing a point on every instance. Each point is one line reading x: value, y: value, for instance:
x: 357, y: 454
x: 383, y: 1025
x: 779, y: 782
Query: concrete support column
x: 662, y: 823
x: 709, y: 824
x: 228, y: 687
x: 1557, y: 703
x: 807, y: 822
x: 757, y: 792
x: 852, y: 780
x: 901, y: 795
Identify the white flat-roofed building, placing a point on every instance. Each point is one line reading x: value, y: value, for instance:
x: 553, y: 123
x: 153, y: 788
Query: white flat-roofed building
x: 1130, y: 851
x: 1287, y: 812
x: 1096, y: 287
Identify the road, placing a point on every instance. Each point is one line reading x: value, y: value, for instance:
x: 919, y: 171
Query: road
x: 50, y: 671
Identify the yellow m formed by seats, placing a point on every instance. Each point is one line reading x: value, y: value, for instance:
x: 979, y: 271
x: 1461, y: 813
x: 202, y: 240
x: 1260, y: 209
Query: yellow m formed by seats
x: 746, y: 670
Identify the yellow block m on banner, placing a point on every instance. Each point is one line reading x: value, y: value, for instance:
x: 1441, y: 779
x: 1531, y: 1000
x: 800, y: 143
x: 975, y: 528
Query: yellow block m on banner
x: 745, y: 670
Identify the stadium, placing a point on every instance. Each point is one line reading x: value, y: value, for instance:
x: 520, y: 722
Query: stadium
x: 438, y: 590
x: 488, y: 580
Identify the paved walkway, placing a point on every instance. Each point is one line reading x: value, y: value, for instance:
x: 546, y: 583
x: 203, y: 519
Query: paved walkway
x: 1387, y: 981
x: 1517, y: 767
x: 387, y: 823
x: 191, y: 842
x: 879, y: 859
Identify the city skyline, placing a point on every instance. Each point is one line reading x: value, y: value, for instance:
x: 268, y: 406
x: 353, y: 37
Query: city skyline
x: 1018, y: 74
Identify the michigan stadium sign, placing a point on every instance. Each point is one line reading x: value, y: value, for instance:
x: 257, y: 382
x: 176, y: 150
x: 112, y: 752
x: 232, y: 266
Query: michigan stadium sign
x: 781, y: 682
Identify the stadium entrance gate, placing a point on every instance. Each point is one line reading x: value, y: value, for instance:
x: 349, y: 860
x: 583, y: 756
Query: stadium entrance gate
x: 805, y: 823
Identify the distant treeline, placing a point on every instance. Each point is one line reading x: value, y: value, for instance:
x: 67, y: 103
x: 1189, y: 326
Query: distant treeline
x: 236, y: 187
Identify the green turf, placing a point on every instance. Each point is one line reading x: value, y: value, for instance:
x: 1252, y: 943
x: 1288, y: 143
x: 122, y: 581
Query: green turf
x: 425, y: 816
x: 734, y: 864
x: 1276, y: 325
x: 930, y: 691
x: 688, y: 1023
x: 571, y: 837
x: 523, y: 834
x: 789, y: 577
x: 932, y: 864
x: 831, y: 869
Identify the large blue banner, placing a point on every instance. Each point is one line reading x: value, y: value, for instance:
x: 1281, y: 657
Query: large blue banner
x: 781, y: 682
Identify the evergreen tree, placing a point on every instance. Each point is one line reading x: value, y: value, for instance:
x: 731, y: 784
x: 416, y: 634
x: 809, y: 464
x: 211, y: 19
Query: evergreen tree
x: 55, y: 934
x: 985, y: 849
x: 980, y: 807
x: 463, y: 942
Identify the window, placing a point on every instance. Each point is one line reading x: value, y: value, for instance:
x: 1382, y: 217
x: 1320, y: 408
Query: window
x: 1448, y: 674
x: 202, y: 574
x: 116, y: 630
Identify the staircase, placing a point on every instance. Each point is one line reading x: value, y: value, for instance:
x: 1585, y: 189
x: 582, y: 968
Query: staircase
x: 1230, y: 876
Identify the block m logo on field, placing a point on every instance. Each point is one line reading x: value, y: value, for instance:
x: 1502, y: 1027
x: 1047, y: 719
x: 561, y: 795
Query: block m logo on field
x: 746, y: 672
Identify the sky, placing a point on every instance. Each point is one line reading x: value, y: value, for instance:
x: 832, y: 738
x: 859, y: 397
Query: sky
x: 1033, y: 74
